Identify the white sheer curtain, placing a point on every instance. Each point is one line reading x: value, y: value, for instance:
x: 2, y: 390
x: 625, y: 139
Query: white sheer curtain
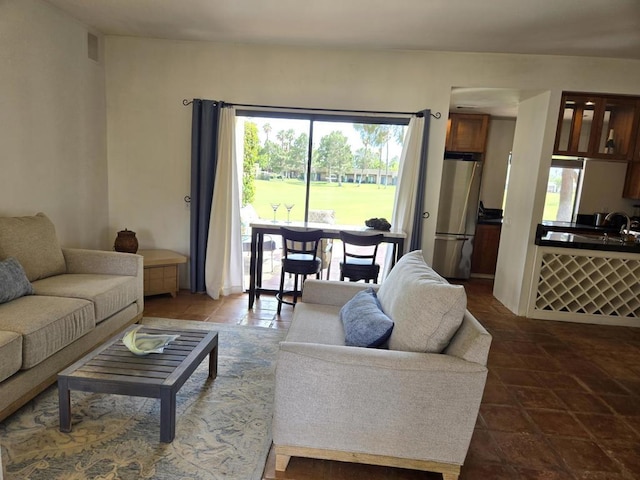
x: 406, y: 191
x: 223, y: 268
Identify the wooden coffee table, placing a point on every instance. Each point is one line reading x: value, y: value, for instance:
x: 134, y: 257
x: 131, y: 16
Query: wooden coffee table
x: 112, y: 368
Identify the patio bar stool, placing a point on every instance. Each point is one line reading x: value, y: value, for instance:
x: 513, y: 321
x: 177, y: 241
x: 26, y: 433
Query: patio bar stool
x: 359, y: 259
x: 300, y: 249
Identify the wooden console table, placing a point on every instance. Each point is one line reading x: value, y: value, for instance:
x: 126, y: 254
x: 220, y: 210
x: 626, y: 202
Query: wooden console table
x: 161, y: 271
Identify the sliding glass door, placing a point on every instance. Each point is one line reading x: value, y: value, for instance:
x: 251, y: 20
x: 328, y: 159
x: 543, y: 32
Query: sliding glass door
x: 318, y: 168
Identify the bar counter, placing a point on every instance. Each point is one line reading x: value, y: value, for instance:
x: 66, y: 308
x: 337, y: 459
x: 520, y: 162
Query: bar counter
x: 583, y: 237
x: 585, y: 274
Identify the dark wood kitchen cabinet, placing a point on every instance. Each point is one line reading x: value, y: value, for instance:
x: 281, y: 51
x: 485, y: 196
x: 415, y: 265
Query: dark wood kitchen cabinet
x: 467, y: 133
x: 636, y: 153
x: 597, y: 126
x: 485, y: 249
x: 632, y: 181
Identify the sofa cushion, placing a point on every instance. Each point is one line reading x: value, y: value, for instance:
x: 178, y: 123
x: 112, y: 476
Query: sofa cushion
x: 10, y: 353
x: 425, y: 308
x: 365, y: 324
x: 47, y: 324
x: 33, y: 242
x: 108, y: 293
x: 13, y: 281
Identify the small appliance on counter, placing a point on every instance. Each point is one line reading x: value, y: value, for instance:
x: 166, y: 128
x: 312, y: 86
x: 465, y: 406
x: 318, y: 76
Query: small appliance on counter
x: 489, y: 213
x: 635, y: 220
x: 599, y: 219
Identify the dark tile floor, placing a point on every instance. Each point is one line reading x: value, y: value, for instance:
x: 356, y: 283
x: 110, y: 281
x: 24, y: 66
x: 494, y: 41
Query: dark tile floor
x: 562, y: 400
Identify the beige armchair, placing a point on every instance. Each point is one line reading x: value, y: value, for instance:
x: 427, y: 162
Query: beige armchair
x: 395, y: 407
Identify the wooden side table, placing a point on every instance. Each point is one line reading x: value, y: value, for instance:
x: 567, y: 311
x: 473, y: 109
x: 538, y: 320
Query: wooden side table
x: 161, y: 271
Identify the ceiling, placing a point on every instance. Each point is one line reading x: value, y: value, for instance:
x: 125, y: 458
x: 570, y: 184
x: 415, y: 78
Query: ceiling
x: 597, y: 28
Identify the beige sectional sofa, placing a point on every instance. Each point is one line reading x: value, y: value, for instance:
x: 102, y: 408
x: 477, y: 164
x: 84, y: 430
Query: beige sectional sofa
x: 413, y: 404
x: 56, y: 304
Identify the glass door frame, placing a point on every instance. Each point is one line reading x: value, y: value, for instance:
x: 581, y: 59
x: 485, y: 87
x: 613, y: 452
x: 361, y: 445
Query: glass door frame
x: 321, y: 117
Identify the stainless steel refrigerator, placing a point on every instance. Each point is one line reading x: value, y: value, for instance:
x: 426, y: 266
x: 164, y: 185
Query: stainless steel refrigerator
x: 457, y: 217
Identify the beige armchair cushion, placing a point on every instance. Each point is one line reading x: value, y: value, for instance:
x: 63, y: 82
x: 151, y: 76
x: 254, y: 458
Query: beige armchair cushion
x: 33, y: 242
x: 426, y: 309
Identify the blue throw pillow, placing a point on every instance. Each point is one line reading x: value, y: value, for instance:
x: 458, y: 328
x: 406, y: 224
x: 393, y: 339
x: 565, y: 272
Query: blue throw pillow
x: 365, y: 324
x: 13, y: 280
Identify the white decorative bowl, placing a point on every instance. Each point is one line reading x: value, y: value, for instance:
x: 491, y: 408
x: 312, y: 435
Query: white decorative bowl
x: 146, y: 343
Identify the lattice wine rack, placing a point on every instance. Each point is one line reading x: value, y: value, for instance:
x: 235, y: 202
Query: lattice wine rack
x: 589, y: 285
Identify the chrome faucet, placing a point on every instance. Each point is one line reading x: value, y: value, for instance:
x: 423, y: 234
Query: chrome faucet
x: 623, y: 231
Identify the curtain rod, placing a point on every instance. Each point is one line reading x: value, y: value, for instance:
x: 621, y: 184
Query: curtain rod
x: 436, y: 115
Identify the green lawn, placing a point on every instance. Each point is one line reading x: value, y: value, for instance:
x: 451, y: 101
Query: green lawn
x: 551, y: 205
x: 353, y: 204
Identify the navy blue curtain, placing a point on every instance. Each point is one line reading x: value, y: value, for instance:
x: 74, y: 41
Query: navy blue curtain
x: 415, y: 242
x: 204, y: 159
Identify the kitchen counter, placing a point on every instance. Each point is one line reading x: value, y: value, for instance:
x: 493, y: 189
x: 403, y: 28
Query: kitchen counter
x: 582, y: 237
x: 489, y: 221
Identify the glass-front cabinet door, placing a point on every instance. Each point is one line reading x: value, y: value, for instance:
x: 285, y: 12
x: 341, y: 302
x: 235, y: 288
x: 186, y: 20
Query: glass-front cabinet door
x: 575, y: 124
x: 616, y: 134
x: 597, y: 126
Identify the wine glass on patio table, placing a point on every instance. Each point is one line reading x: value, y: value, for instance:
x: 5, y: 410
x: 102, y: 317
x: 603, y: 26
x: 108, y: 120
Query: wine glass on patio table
x: 289, y: 206
x: 274, y: 206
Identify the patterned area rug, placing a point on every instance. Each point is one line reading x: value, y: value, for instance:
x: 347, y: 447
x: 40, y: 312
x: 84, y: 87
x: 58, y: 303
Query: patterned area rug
x: 223, y: 427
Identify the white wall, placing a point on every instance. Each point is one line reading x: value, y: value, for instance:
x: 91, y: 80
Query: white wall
x: 530, y: 162
x: 149, y: 129
x: 53, y: 116
x: 494, y: 171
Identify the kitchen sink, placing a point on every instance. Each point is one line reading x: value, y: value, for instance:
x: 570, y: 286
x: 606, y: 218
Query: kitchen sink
x: 586, y: 238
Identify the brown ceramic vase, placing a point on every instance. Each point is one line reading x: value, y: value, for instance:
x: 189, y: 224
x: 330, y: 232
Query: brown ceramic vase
x: 126, y: 242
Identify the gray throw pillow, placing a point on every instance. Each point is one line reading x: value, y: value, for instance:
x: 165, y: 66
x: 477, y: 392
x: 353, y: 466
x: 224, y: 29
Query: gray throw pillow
x: 13, y: 281
x: 365, y: 324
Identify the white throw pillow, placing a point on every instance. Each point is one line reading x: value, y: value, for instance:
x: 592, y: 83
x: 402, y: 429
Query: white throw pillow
x: 426, y: 309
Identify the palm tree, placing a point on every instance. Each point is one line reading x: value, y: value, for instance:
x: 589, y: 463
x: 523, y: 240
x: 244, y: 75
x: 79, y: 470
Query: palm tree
x: 267, y: 130
x: 368, y: 135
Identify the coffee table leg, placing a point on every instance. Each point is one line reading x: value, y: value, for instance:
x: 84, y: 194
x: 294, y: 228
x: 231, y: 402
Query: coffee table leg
x: 213, y: 362
x: 167, y: 416
x: 64, y: 405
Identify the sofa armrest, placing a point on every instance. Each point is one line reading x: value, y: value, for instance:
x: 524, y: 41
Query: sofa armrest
x: 103, y: 262
x: 331, y: 292
x: 471, y: 342
x: 332, y: 397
